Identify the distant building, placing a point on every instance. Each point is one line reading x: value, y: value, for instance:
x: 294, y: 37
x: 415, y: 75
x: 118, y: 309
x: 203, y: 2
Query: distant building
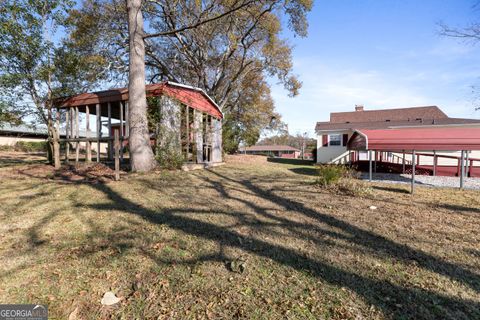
x: 308, y: 156
x: 278, y: 151
x: 10, y: 134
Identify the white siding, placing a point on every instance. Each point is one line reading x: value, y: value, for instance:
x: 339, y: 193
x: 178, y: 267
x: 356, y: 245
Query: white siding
x: 329, y: 154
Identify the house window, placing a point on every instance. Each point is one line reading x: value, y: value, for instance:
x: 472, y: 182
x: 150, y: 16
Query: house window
x: 335, y: 139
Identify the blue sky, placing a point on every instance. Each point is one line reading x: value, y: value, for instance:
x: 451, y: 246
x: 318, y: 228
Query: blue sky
x: 382, y: 54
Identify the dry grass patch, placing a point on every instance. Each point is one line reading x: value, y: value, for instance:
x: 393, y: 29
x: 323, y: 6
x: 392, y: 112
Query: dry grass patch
x: 239, y: 241
x: 14, y: 158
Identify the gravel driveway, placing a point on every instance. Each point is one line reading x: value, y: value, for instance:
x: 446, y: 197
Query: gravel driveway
x: 429, y: 181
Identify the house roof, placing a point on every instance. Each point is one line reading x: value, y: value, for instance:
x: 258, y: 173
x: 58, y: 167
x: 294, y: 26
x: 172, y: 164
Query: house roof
x: 451, y: 139
x: 428, y: 122
x: 23, y: 129
x: 268, y: 148
x: 397, y: 114
x: 27, y: 130
x: 193, y: 97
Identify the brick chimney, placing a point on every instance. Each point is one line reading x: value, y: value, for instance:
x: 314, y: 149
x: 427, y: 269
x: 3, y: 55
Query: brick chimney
x: 358, y: 107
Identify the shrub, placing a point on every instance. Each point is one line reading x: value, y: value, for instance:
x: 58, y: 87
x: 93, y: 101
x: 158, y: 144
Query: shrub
x: 353, y: 187
x: 7, y: 148
x: 329, y: 175
x: 169, y: 159
x: 31, y: 146
x: 342, y: 180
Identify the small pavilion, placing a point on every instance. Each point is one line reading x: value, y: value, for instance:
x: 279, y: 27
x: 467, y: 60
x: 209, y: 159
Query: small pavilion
x: 190, y: 123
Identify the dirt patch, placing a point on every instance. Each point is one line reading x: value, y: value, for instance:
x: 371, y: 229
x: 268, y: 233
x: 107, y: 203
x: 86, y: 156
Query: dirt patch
x: 93, y: 173
x: 83, y: 172
x: 245, y: 159
x: 22, y: 172
x: 13, y: 158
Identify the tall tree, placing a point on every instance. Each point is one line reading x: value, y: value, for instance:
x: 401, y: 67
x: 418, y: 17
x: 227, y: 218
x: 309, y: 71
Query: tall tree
x: 213, y: 44
x: 250, y: 112
x: 141, y: 154
x: 220, y: 56
x: 9, y: 115
x: 34, y: 61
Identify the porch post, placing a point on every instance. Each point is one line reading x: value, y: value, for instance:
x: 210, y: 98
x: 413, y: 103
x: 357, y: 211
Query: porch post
x: 412, y: 187
x: 72, y: 123
x: 67, y: 135
x: 110, y: 143
x: 187, y: 119
x: 375, y: 163
x: 88, y: 154
x: 467, y: 164
x: 198, y: 118
x: 370, y: 165
x: 462, y: 168
x: 403, y: 169
x: 127, y: 120
x: 122, y: 130
x: 434, y: 162
x: 77, y: 136
x: 56, y: 139
x: 99, y: 129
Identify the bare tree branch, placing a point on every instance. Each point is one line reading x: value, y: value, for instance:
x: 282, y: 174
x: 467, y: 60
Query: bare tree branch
x: 199, y: 23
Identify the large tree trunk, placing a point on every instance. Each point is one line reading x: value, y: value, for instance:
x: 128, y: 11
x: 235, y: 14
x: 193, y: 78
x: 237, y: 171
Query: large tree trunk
x: 141, y: 154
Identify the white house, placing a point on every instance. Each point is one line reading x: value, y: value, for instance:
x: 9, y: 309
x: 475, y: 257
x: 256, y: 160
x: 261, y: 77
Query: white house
x: 332, y: 136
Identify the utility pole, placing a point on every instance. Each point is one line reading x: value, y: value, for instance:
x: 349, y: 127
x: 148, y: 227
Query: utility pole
x: 303, y: 145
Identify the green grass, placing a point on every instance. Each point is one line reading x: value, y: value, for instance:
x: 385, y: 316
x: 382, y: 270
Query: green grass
x: 164, y: 243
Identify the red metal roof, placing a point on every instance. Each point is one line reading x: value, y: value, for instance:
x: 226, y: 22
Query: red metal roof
x: 193, y: 97
x: 330, y: 126
x: 448, y: 139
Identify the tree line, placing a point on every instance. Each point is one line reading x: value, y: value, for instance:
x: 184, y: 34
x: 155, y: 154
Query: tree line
x: 229, y: 48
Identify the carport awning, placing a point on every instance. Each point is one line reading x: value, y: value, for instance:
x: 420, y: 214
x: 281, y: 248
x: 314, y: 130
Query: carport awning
x: 446, y: 139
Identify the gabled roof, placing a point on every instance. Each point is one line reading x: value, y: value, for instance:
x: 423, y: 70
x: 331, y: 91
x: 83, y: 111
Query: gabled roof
x: 397, y: 114
x: 268, y: 148
x: 329, y: 126
x: 193, y: 97
x: 451, y: 139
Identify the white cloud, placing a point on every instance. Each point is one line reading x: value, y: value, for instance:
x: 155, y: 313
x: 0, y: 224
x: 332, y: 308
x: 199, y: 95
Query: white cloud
x: 332, y: 89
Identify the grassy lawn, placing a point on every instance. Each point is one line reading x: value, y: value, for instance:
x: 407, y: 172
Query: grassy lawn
x: 10, y: 159
x: 237, y: 241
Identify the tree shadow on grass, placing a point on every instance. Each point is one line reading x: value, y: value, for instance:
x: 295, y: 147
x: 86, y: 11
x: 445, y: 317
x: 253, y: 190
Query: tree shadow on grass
x: 307, y: 171
x: 391, y: 189
x: 291, y: 161
x: 395, y: 300
x: 456, y: 207
x: 368, y: 239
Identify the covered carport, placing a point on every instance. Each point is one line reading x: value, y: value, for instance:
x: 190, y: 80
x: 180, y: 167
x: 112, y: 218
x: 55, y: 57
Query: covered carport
x: 413, y: 140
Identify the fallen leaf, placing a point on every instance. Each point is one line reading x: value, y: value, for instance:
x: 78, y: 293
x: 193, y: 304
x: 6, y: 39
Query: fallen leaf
x: 109, y: 298
x: 74, y: 315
